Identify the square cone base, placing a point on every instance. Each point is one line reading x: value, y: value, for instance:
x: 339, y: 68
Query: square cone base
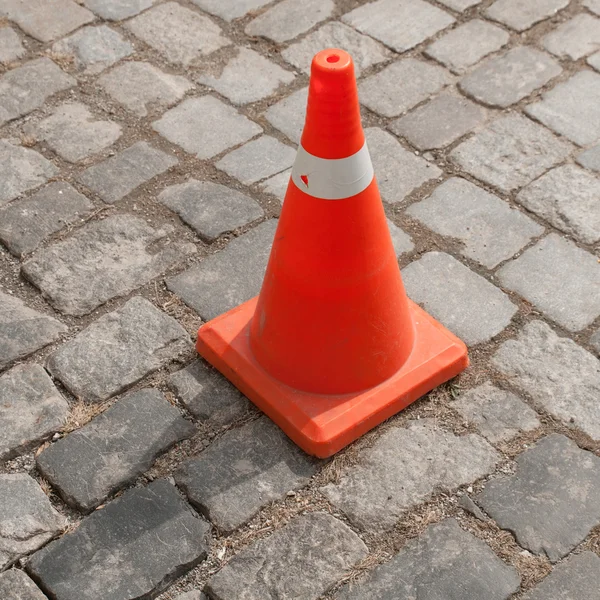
x: 323, y: 424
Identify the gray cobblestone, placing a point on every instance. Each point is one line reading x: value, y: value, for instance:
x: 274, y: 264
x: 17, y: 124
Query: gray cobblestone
x: 117, y: 10
x: 574, y: 39
x: 466, y: 303
x: 459, y: 5
x: 593, y: 5
x: 230, y: 9
x: 15, y: 585
x: 288, y: 114
x: 520, y: 15
x: 595, y: 341
x: 401, y: 240
x: 117, y: 350
x: 559, y: 279
x: 11, y: 47
x: 590, y: 159
x: 461, y: 210
x: 277, y: 185
x: 594, y: 61
x: 193, y: 595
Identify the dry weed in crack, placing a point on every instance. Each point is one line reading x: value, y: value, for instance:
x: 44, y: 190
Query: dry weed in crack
x: 82, y: 413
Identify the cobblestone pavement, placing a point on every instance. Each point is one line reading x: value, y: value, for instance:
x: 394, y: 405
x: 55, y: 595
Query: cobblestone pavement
x: 145, y: 147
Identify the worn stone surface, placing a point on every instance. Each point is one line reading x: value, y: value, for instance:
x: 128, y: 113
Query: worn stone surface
x: 26, y: 223
x: 466, y: 45
x: 210, y: 208
x: 31, y: 409
x: 288, y: 114
x: 504, y: 80
x: 117, y: 350
x: 558, y: 278
x: 244, y: 470
x: 574, y: 39
x: 439, y: 122
x: 11, y: 47
x: 133, y: 548
x: 510, y: 152
x: 91, y: 463
x: 181, y: 35
x: 24, y: 330
x: 466, y: 303
x: 103, y: 260
x: 567, y: 197
x: 119, y: 175
x: 402, y: 85
x: 401, y: 240
x: 594, y: 61
x: 552, y: 501
x: 399, y: 24
x: 277, y: 566
x: 462, y: 210
x: 230, y: 9
x: 559, y: 375
x: 398, y: 171
x: 425, y: 458
x: 595, y: 341
x: 277, y: 185
x: 193, y: 595
x: 520, y: 15
x: 15, y: 585
x: 117, y: 10
x: 590, y: 158
x: 499, y: 415
x: 205, y: 126
x: 229, y: 277
x: 444, y: 562
x: 593, y: 5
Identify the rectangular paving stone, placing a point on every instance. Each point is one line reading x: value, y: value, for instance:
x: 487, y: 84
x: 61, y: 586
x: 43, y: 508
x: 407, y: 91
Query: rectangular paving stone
x: 594, y: 61
x: 244, y: 470
x: 278, y: 566
x: 117, y: 446
x: 288, y: 114
x: 117, y: 350
x: 24, y: 330
x: 510, y: 152
x: 27, y: 519
x: 205, y: 126
x: 15, y: 585
x: 575, y: 38
x: 399, y: 24
x: 552, y: 501
x: 230, y: 9
x: 445, y: 562
x: 103, y: 260
x: 193, y: 595
x: 461, y: 210
x: 590, y: 159
x: 131, y: 549
x: 119, y: 175
x: 593, y: 5
x: 559, y: 279
x: 466, y: 303
x: 400, y: 239
x: 425, y: 458
x: 519, y: 15
x: 11, y: 47
x: 277, y: 185
x: 559, y: 375
x: 31, y: 409
x: 229, y: 277
x: 117, y: 10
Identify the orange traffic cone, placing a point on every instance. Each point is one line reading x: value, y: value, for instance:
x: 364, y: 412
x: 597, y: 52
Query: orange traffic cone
x: 332, y: 346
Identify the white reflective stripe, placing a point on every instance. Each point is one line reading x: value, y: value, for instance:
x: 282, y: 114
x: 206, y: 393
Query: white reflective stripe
x: 333, y: 179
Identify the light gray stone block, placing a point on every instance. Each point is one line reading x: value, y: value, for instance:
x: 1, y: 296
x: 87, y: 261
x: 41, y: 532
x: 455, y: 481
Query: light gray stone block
x: 594, y: 61
x: 459, y: 5
x: 575, y: 38
x: 593, y: 5
x: 288, y: 114
x: 401, y: 240
x: 595, y: 341
x: 193, y: 595
x: 11, y: 47
x: 520, y: 15
x: 277, y: 185
x: 15, y: 585
x: 117, y: 10
x: 590, y: 158
x: 230, y: 9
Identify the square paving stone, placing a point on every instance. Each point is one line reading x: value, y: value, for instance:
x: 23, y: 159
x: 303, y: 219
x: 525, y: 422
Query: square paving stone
x: 439, y: 122
x: 244, y: 470
x: 117, y: 10
x: 519, y: 15
x: 277, y: 185
x: 28, y: 87
x: 552, y: 501
x: 510, y: 152
x: 205, y: 126
x: 504, y: 80
x: 289, y: 19
x: 117, y: 446
x: 399, y: 24
x: 230, y: 9
x: 572, y: 108
x: 402, y: 85
x: 119, y: 175
x: 247, y: 77
x: 117, y: 350
x: 179, y: 34
x: 499, y: 415
x: 46, y: 20
x: 207, y: 394
x: 24, y: 330
x: 590, y: 158
x: 445, y: 562
x: 559, y: 279
x: 467, y: 44
x: 574, y: 39
x: 11, y: 47
x: 229, y: 277
x: 466, y: 303
x: 398, y: 171
x: 401, y: 240
x: 559, y: 375
x: 31, y: 409
x: 15, y: 585
x: 27, y: 519
x: 365, y: 51
x: 425, y: 458
x: 288, y: 114
x: 132, y: 549
x: 461, y: 210
x: 26, y: 223
x: 577, y: 577
x: 567, y: 197
x: 279, y: 566
x: 103, y: 260
x: 73, y: 132
x: 210, y: 208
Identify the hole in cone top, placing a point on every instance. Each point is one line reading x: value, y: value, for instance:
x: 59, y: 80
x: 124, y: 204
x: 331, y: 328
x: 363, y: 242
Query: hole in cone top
x: 333, y: 58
